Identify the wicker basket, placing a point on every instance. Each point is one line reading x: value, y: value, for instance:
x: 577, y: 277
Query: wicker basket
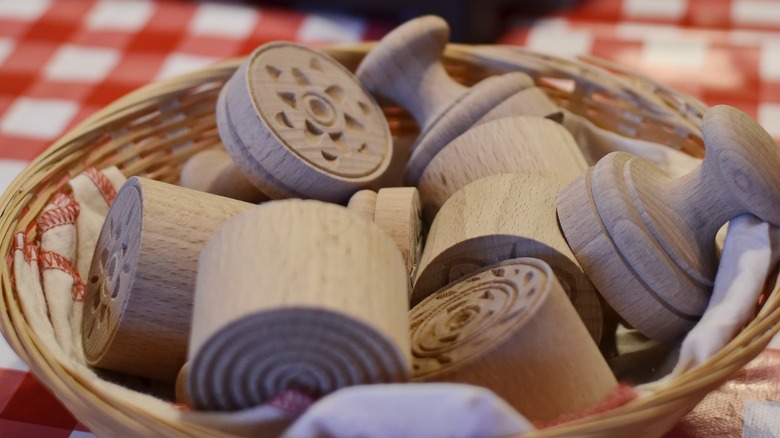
x: 153, y: 131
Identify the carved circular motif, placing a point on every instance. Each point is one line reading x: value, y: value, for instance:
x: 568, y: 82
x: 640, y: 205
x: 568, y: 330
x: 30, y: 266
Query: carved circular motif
x: 319, y: 110
x: 112, y: 271
x: 473, y: 316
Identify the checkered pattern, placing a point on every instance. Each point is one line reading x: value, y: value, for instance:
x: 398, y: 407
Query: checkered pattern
x: 60, y: 60
x: 721, y: 51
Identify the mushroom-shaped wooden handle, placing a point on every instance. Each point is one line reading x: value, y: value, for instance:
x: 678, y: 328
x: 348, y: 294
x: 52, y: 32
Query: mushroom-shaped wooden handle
x: 406, y: 67
x: 648, y: 240
x: 744, y: 160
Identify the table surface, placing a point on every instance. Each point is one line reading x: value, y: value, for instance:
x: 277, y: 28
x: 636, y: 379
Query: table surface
x: 62, y: 60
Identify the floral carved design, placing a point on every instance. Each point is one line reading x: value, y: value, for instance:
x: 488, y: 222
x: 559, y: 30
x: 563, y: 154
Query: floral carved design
x: 320, y: 111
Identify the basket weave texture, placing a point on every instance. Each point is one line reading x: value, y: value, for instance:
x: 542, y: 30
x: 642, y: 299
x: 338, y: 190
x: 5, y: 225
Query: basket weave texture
x: 154, y: 130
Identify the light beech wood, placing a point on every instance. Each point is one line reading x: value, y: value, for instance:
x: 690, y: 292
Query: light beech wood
x: 138, y: 304
x: 213, y: 171
x: 299, y: 124
x: 648, y: 240
x: 405, y: 66
x: 531, y: 101
x: 155, y: 129
x: 510, y: 327
x: 399, y: 213
x: 520, y: 144
x: 363, y: 203
x: 181, y: 386
x: 397, y: 210
x: 297, y: 295
x: 497, y: 218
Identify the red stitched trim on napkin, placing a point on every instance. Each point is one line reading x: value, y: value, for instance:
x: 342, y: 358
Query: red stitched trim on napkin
x: 100, y: 180
x: 30, y: 253
x: 53, y: 260
x: 619, y: 396
x: 19, y: 241
x: 65, y: 213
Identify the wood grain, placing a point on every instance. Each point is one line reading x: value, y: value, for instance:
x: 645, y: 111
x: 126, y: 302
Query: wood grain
x: 510, y: 327
x: 497, y: 218
x: 363, y: 203
x: 399, y: 213
x: 138, y: 304
x: 299, y: 124
x: 213, y: 171
x: 405, y: 66
x: 297, y: 295
x: 397, y: 210
x: 521, y: 144
x: 647, y: 240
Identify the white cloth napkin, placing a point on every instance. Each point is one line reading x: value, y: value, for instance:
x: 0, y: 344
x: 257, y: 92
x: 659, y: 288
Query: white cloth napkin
x: 428, y: 410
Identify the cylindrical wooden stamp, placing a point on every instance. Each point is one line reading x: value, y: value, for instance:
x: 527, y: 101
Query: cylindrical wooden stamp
x: 213, y: 171
x: 299, y: 124
x: 396, y: 210
x: 510, y: 327
x: 521, y: 144
x: 138, y: 305
x: 298, y: 295
x: 503, y: 217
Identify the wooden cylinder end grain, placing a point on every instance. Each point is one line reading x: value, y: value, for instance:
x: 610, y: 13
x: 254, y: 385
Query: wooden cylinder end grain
x: 503, y: 217
x: 298, y: 295
x: 363, y: 203
x: 399, y: 213
x: 299, y: 124
x: 510, y: 328
x: 138, y: 302
x: 517, y: 144
x: 397, y: 210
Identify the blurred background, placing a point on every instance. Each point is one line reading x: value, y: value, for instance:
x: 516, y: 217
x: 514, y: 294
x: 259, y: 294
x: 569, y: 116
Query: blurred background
x: 61, y: 60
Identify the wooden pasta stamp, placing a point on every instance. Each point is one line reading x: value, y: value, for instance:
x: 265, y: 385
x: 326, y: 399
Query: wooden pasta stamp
x: 502, y: 217
x: 264, y: 323
x: 299, y: 124
x: 138, y: 304
x: 406, y: 67
x: 647, y: 240
x: 510, y: 327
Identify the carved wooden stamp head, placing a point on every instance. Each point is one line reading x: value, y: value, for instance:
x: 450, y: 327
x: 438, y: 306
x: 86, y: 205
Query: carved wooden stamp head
x: 510, y: 327
x: 299, y: 124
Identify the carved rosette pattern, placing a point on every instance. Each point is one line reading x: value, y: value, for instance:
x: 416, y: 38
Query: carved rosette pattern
x: 465, y: 320
x: 319, y: 111
x: 111, y: 272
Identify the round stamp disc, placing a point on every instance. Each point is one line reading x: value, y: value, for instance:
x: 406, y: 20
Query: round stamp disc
x: 319, y: 110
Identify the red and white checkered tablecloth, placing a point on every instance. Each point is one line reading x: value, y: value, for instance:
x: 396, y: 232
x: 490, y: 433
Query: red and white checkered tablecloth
x: 60, y: 60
